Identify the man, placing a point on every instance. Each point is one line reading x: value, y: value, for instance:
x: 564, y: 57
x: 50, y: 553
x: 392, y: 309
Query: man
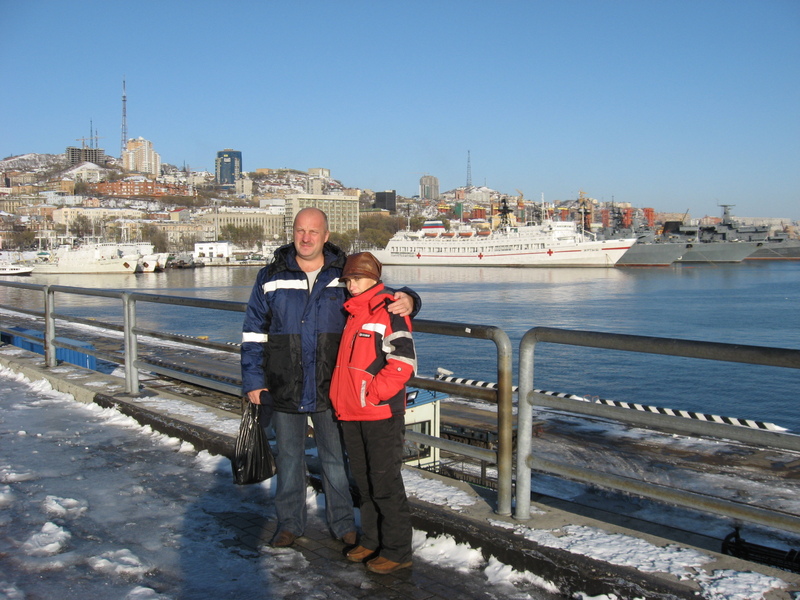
x: 290, y: 340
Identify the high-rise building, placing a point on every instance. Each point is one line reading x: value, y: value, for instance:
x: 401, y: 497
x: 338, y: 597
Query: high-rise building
x: 76, y: 156
x: 429, y: 187
x: 140, y: 157
x: 229, y: 166
x: 386, y: 200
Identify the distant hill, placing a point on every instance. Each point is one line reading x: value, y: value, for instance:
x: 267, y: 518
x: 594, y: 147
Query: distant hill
x: 32, y: 162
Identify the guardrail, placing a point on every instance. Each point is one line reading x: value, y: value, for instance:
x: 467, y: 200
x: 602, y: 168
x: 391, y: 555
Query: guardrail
x: 501, y: 394
x: 757, y: 355
x: 132, y: 362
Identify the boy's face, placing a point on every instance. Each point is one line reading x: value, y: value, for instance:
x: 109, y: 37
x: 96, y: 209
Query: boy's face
x: 358, y: 285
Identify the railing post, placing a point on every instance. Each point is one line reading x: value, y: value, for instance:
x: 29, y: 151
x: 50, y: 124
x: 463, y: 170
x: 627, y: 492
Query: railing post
x: 524, y: 426
x: 131, y: 346
x: 49, y: 327
x: 505, y: 421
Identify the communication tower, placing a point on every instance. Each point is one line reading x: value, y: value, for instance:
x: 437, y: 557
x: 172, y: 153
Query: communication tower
x: 469, y: 171
x: 124, y: 141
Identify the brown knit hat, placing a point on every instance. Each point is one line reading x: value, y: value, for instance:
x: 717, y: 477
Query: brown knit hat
x: 362, y: 264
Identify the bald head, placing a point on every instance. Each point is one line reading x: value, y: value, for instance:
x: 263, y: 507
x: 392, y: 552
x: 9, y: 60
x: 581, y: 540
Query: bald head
x: 311, y: 212
x: 310, y: 234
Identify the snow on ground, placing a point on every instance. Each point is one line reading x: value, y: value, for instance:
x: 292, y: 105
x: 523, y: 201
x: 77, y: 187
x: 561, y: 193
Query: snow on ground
x: 85, y: 510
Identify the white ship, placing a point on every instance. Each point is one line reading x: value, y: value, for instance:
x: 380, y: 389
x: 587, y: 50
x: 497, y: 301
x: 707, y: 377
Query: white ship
x: 88, y: 258
x: 148, y: 259
x: 549, y: 244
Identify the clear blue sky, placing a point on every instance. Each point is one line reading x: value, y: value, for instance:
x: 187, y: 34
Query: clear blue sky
x: 672, y: 104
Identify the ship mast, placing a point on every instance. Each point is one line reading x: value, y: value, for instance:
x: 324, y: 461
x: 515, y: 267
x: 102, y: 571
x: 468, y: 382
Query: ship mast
x: 504, y: 211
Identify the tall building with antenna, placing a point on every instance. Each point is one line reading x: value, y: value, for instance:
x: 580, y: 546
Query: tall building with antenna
x: 469, y: 171
x: 124, y: 140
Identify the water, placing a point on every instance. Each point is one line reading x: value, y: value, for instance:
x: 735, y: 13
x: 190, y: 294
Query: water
x: 753, y: 303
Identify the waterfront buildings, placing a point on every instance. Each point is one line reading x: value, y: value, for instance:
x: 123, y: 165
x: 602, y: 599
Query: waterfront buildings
x: 270, y: 222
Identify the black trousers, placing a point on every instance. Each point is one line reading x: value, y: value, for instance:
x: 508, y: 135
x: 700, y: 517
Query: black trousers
x: 375, y: 451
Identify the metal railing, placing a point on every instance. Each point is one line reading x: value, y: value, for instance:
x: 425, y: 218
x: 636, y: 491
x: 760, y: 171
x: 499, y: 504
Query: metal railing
x: 501, y: 395
x: 756, y: 355
x: 133, y: 362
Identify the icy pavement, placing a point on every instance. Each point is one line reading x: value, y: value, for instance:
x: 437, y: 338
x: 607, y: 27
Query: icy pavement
x: 93, y: 505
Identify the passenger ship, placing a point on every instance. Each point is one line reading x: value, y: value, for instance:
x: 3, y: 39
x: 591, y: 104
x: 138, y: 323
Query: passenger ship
x: 549, y: 244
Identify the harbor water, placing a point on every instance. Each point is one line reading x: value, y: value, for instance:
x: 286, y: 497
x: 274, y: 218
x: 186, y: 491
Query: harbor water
x: 752, y: 303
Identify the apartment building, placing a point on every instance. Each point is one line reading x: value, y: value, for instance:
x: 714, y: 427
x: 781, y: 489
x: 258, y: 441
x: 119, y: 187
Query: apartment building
x: 342, y: 210
x: 140, y: 157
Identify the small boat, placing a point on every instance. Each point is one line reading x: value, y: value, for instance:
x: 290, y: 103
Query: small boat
x: 448, y: 234
x: 7, y: 268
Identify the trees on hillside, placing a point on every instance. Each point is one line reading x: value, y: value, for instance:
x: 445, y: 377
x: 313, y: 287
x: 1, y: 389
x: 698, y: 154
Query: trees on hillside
x: 376, y: 230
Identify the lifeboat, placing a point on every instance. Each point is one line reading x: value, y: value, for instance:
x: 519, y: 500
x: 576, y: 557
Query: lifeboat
x: 431, y: 235
x: 465, y: 234
x: 484, y: 232
x: 448, y: 234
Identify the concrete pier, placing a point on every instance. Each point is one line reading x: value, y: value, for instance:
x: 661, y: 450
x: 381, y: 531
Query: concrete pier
x: 504, y: 538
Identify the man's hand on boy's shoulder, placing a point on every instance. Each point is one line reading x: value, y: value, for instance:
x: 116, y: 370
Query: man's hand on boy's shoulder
x: 403, y: 304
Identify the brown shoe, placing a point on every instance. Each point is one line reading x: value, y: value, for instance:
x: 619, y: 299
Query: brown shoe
x: 350, y: 538
x: 283, y: 539
x: 384, y: 566
x: 360, y: 554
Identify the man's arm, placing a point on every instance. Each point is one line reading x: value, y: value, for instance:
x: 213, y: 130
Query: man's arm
x: 254, y: 337
x: 406, y: 303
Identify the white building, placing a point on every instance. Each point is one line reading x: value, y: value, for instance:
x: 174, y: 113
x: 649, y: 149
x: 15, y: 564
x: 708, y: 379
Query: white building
x: 213, y: 251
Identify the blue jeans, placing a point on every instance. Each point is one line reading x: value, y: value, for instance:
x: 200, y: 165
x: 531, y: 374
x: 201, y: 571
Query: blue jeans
x: 290, y: 498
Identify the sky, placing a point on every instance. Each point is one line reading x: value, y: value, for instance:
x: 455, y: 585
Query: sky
x: 75, y: 478
x: 677, y: 105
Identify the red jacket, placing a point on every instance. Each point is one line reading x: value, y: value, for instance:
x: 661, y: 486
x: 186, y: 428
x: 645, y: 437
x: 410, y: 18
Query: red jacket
x: 376, y: 359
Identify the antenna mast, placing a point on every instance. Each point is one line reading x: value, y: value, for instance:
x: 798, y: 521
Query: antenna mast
x: 124, y: 140
x: 469, y: 171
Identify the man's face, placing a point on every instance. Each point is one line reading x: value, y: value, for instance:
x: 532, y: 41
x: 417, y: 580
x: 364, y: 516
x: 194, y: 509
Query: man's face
x: 310, y: 235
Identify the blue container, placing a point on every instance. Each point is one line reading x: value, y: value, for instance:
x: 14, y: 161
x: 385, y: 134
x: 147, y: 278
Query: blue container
x: 65, y: 354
